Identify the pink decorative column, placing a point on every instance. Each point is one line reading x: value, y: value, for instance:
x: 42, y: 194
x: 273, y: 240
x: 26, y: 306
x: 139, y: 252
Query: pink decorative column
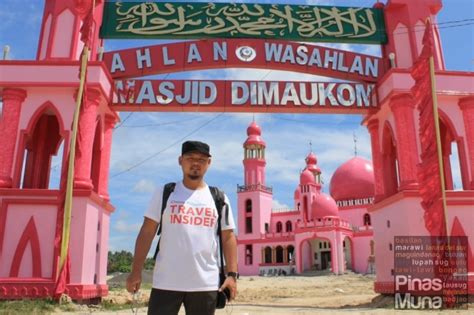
x: 402, y: 106
x: 467, y: 106
x: 373, y: 127
x: 105, y: 157
x: 9, y: 121
x: 85, y: 141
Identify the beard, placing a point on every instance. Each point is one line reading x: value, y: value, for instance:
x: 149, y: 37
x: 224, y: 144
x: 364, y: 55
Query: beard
x: 194, y: 177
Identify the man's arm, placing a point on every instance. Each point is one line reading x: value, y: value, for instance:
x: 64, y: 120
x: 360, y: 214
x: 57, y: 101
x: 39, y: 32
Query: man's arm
x: 142, y: 246
x: 229, y: 244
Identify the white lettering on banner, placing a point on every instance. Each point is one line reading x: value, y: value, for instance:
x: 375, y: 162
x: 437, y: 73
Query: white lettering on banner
x: 337, y: 61
x: 243, y: 93
x: 143, y: 57
x: 196, y: 92
x: 167, y: 61
x: 194, y: 54
x: 117, y: 63
x: 220, y: 51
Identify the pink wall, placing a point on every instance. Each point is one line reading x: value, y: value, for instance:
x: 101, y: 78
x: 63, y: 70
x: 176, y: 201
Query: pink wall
x: 361, y: 250
x: 354, y: 216
x: 283, y: 218
x: 84, y: 237
x: 261, y: 212
x: 406, y: 218
x: 17, y: 212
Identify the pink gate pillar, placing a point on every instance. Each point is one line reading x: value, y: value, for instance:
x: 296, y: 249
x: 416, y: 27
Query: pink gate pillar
x: 87, y: 123
x: 403, y: 108
x: 373, y: 126
x: 9, y: 121
x: 110, y: 122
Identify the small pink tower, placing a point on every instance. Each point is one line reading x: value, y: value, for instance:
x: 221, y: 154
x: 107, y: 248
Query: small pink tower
x: 396, y: 144
x: 254, y: 200
x: 39, y: 100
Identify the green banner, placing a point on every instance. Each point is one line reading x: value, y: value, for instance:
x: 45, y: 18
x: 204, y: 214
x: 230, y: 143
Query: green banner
x: 180, y: 20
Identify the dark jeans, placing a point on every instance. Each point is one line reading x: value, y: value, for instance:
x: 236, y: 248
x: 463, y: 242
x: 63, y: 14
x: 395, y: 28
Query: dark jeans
x: 165, y: 302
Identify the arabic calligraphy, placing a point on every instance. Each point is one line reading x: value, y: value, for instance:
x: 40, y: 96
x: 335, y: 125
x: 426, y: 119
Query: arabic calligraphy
x: 185, y: 20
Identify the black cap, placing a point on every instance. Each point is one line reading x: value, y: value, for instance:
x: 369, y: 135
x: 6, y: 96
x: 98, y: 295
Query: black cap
x: 195, y: 146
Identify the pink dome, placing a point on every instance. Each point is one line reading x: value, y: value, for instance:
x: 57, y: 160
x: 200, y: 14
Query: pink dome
x: 254, y: 132
x: 353, y: 180
x: 324, y: 205
x: 311, y: 159
x: 306, y: 177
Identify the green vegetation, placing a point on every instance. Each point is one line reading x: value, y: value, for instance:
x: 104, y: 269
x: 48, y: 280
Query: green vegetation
x: 122, y: 262
x: 44, y: 306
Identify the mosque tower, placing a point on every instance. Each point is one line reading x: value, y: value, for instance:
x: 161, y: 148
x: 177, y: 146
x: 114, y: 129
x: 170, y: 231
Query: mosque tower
x: 254, y: 199
x: 309, y: 199
x: 309, y: 187
x: 39, y: 101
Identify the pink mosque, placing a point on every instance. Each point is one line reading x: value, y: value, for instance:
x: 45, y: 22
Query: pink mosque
x: 321, y: 232
x: 353, y: 228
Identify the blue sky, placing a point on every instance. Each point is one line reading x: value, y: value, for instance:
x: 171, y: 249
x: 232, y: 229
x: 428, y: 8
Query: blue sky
x: 287, y: 135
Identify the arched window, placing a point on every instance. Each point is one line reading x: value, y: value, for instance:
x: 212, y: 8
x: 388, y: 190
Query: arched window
x: 367, y: 219
x: 96, y: 157
x: 390, y: 162
x: 279, y: 227
x: 453, y: 168
x: 248, y: 206
x: 248, y: 225
x: 248, y: 254
x: 248, y: 216
x: 305, y: 208
x: 290, y: 253
x: 268, y: 255
x: 289, y: 227
x: 43, y: 142
x: 279, y: 254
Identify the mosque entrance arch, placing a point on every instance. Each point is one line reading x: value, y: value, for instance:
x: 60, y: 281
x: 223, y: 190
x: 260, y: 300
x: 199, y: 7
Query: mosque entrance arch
x: 316, y: 254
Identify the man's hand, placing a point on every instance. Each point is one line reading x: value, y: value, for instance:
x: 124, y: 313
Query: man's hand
x: 231, y: 284
x: 142, y: 246
x: 134, y: 281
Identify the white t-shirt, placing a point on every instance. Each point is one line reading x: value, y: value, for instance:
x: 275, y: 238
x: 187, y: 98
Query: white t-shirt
x: 188, y: 259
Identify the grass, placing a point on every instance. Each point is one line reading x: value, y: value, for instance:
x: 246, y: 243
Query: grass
x: 44, y: 306
x: 48, y: 306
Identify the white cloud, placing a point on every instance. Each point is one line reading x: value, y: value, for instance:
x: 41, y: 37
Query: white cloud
x: 144, y: 186
x: 277, y: 205
x: 124, y: 226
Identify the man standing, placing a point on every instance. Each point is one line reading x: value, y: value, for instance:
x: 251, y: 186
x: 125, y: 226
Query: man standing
x: 187, y: 265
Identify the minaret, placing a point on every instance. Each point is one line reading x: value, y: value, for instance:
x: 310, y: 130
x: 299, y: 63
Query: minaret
x: 254, y: 156
x: 309, y: 187
x: 254, y: 201
x: 311, y: 164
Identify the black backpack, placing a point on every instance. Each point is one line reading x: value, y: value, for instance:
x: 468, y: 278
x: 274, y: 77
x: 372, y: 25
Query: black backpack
x: 219, y: 200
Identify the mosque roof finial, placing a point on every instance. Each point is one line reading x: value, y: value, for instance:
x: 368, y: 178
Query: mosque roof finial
x: 355, y: 143
x: 310, y: 146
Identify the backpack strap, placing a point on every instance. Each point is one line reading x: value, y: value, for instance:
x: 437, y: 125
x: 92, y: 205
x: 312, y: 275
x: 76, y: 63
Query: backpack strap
x: 219, y: 200
x: 167, y: 190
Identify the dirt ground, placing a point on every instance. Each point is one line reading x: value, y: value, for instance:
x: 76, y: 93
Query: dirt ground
x: 309, y: 294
